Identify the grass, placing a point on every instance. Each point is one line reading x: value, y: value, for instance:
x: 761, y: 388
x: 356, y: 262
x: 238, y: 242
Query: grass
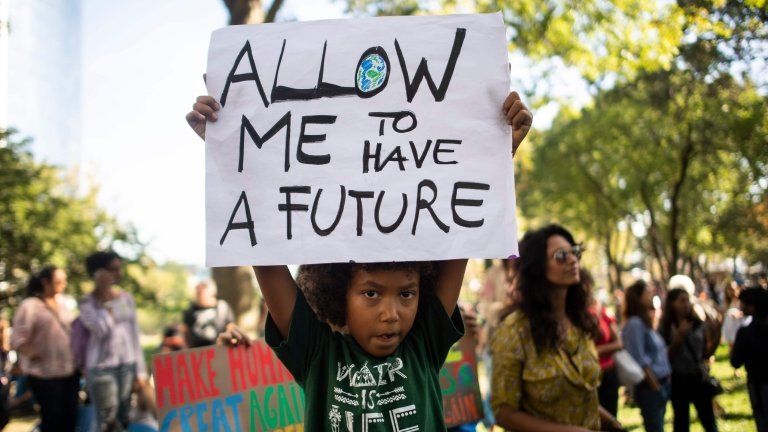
x: 735, y: 402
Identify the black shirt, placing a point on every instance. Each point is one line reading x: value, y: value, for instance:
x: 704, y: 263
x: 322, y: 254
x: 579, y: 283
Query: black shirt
x: 750, y: 349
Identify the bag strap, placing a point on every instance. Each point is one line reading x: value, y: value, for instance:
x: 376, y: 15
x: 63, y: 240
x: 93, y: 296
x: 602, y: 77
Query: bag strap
x: 67, y: 329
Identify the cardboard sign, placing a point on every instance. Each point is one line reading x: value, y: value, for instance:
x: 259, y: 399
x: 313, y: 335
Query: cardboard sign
x: 226, y: 389
x: 370, y: 140
x: 248, y: 389
x: 462, y: 401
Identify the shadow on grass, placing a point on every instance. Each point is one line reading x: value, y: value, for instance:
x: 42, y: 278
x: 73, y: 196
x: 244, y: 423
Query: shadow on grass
x: 736, y: 416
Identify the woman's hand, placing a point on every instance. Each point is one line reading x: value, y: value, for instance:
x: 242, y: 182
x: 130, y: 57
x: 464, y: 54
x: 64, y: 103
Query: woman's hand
x: 684, y: 327
x: 233, y: 337
x: 203, y: 110
x: 519, y: 117
x: 650, y: 377
x: 608, y: 422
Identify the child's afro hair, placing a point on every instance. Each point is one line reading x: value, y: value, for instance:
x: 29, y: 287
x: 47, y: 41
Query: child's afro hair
x: 325, y: 285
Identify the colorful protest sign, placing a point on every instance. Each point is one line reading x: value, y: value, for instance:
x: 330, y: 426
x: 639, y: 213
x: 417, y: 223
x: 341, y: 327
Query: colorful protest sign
x: 376, y: 139
x: 462, y: 401
x: 226, y: 389
x: 248, y: 389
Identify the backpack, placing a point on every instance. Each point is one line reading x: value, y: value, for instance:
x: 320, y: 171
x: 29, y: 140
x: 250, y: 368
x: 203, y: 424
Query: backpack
x: 78, y: 342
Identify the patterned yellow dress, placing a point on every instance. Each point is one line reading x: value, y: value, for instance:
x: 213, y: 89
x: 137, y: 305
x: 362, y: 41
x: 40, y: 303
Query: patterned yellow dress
x: 557, y: 385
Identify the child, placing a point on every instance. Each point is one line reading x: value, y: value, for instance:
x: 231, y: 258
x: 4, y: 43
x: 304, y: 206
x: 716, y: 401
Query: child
x: 399, y: 321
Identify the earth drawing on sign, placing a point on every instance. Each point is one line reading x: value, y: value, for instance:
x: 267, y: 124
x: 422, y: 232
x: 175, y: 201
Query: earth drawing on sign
x: 371, y: 73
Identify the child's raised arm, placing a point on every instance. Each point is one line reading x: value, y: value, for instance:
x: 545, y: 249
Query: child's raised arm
x: 450, y: 275
x: 277, y: 284
x: 279, y: 291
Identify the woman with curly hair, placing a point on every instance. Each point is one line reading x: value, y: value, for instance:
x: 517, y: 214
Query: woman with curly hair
x: 545, y: 367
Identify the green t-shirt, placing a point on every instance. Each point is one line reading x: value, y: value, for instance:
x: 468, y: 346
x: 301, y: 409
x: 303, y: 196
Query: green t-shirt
x: 348, y: 390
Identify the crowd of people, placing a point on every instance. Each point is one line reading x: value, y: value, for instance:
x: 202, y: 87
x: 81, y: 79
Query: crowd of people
x: 88, y: 372
x: 557, y: 355
x: 554, y: 351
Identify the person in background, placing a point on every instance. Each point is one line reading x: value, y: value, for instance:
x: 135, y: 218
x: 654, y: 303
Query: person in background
x: 750, y: 349
x: 648, y: 349
x: 686, y: 341
x: 206, y: 317
x: 607, y: 343
x: 40, y: 335
x: 144, y: 410
x: 733, y: 316
x: 114, y: 357
x: 704, y: 308
x: 545, y: 369
x: 21, y: 401
x: 173, y: 339
x: 5, y: 348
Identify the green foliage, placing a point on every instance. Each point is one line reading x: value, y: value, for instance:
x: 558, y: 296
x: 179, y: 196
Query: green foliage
x: 599, y: 38
x: 163, y: 287
x: 165, y: 293
x: 385, y: 7
x: 680, y: 159
x: 48, y: 217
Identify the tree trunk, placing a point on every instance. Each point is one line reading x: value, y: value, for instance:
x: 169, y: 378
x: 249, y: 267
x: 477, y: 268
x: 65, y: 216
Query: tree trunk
x: 237, y: 285
x: 675, y: 212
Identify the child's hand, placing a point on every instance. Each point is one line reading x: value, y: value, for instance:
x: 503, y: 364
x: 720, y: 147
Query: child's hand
x: 233, y: 337
x: 519, y: 117
x: 204, y: 109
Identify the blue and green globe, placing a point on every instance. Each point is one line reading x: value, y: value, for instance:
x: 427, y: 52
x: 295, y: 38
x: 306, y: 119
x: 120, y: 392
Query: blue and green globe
x: 371, y: 73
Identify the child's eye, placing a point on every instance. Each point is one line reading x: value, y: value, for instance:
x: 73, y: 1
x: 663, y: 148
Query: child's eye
x: 408, y: 294
x: 371, y: 294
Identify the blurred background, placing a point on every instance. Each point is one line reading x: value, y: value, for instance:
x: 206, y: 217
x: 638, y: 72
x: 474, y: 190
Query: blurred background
x: 650, y: 140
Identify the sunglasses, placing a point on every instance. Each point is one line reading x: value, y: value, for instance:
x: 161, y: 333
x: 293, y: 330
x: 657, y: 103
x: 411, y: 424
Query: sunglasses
x: 561, y: 255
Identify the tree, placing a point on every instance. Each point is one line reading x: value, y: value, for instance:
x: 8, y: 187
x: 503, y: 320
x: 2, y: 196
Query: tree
x: 603, y: 40
x: 46, y: 219
x: 674, y: 157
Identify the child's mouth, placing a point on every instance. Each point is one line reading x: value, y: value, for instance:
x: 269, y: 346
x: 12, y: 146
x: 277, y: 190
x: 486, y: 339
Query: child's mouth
x: 387, y: 337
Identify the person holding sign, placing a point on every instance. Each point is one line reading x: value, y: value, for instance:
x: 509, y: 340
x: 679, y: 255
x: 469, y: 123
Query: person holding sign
x: 399, y: 321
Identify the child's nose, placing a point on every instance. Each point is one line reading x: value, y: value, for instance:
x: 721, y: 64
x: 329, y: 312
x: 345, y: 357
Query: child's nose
x: 388, y: 311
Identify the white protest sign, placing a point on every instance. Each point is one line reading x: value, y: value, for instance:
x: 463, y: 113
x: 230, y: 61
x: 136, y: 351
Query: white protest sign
x: 378, y: 139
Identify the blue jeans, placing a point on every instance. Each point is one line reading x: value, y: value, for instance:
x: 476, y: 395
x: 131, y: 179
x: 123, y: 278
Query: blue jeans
x: 653, y: 405
x: 110, y: 391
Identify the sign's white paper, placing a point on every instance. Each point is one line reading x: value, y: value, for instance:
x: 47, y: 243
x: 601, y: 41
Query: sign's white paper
x: 379, y: 139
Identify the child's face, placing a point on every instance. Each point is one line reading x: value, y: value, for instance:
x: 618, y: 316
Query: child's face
x: 381, y: 308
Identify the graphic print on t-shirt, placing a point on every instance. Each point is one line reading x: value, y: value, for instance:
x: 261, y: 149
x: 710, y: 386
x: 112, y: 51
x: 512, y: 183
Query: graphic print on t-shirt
x: 375, y: 393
